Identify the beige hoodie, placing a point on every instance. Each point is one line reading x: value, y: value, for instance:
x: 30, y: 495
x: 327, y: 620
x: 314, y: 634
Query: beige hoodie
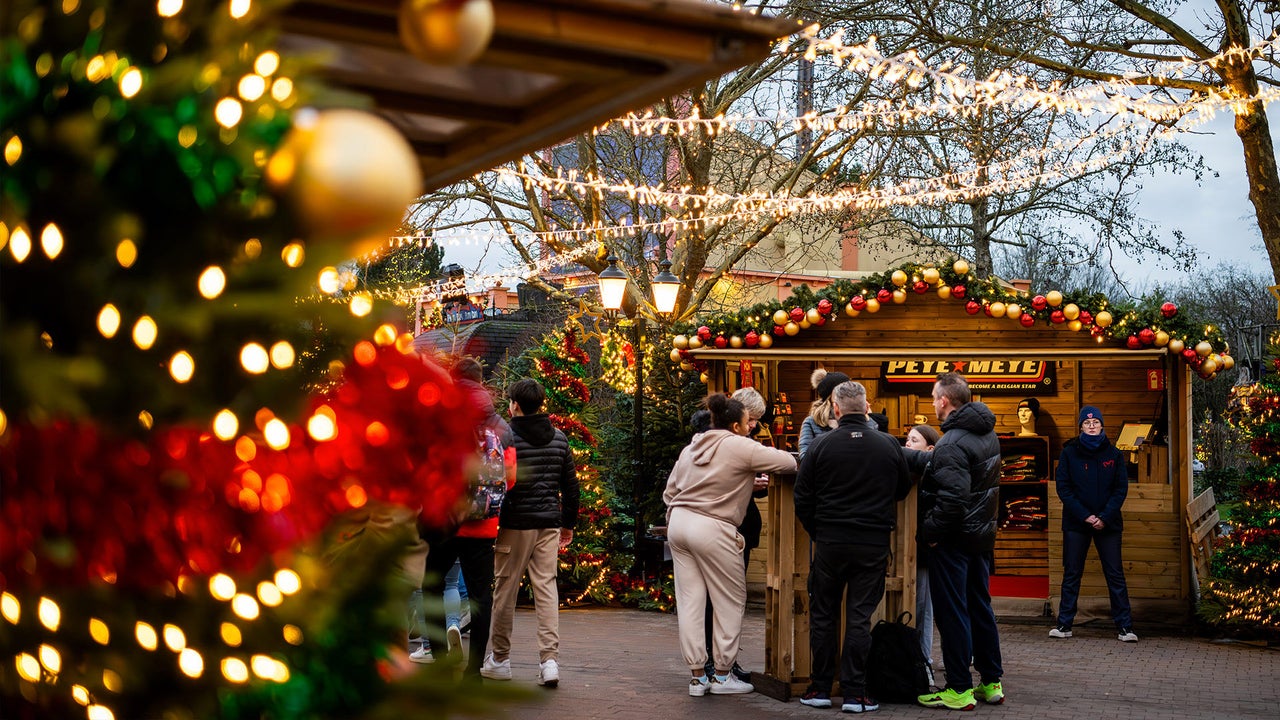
x: 714, y: 473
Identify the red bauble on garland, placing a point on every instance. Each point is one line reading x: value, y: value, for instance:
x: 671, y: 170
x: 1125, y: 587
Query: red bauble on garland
x: 1027, y: 319
x: 1147, y: 336
x: 752, y: 339
x: 722, y: 342
x: 704, y: 333
x: 973, y: 307
x: 858, y: 302
x: 779, y: 330
x: 958, y: 292
x: 885, y: 296
x: 1168, y: 309
x: 921, y: 287
x: 1133, y: 343
x: 824, y: 306
x: 1057, y: 317
x: 1039, y: 302
x: 797, y: 314
x: 1086, y: 317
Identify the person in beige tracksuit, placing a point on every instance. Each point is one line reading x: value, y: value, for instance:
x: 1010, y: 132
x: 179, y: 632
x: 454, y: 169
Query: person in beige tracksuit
x: 706, y: 498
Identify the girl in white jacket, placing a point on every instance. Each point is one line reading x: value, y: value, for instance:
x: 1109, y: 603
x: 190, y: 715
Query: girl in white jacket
x: 706, y: 498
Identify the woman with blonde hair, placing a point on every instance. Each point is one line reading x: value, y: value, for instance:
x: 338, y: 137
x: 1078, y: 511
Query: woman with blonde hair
x: 820, y: 418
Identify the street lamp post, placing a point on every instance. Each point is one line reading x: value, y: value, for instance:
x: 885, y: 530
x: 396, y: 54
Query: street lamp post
x: 613, y: 286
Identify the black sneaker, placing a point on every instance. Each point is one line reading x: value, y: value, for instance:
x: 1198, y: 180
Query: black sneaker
x: 816, y: 699
x: 738, y: 672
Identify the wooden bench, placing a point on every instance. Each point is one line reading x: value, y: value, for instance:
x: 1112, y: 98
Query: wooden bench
x: 1202, y: 529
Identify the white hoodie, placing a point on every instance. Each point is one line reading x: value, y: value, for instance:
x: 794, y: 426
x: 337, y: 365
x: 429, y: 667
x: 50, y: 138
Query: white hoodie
x: 714, y: 474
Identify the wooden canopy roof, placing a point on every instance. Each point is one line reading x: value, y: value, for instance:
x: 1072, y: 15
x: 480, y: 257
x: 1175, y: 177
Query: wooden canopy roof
x: 553, y: 68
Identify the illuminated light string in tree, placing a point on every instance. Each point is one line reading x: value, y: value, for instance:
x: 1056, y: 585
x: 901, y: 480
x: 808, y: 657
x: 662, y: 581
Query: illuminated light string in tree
x: 1243, y: 587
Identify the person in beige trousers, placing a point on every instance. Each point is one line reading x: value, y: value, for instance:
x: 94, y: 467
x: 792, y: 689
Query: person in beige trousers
x: 706, y: 498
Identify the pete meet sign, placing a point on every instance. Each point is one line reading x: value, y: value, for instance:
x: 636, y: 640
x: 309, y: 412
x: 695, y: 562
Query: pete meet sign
x: 994, y: 377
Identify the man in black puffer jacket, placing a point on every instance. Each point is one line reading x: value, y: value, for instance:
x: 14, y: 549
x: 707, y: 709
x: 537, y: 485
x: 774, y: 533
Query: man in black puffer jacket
x: 959, y: 496
x: 538, y: 517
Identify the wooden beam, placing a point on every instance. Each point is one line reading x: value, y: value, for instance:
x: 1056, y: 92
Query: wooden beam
x: 838, y: 353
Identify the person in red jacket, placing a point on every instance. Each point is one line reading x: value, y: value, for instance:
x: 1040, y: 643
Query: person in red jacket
x: 472, y: 545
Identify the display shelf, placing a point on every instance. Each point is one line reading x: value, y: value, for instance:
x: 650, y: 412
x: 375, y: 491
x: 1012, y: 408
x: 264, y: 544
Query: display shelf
x: 1022, y: 546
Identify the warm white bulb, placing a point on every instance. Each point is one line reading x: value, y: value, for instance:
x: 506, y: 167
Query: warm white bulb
x: 288, y: 581
x: 222, y: 587
x: 281, y: 89
x: 20, y: 244
x: 168, y: 8
x: 282, y: 355
x: 130, y: 82
x: 49, y: 613
x: 146, y: 635
x: 10, y: 608
x: 240, y: 8
x: 293, y: 254
x: 361, y: 304
x: 190, y: 662
x: 321, y: 426
x: 212, y: 282
x: 254, y: 358
x: 174, y: 638
x: 100, y: 712
x: 228, y: 112
x: 269, y: 594
x: 234, y: 670
x: 225, y: 425
x: 252, y: 87
x: 51, y: 241
x: 144, y: 332
x: 276, y: 434
x: 182, y: 366
x: 108, y: 321
x: 245, y: 606
x: 329, y: 281
x: 267, y: 63
x: 50, y: 659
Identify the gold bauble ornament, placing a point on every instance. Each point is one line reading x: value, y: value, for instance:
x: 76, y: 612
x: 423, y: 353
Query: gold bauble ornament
x: 899, y: 278
x: 676, y: 356
x: 944, y: 292
x: 1102, y: 319
x: 1228, y: 362
x: 766, y: 341
x: 694, y: 342
x: 446, y: 32
x: 1013, y: 311
x: 1176, y: 346
x: 805, y: 324
x: 702, y: 378
x: 686, y: 366
x: 1071, y: 311
x: 899, y: 297
x: 1053, y: 297
x: 349, y: 174
x: 1074, y: 325
x: 1209, y: 366
x: 1162, y: 338
x: 791, y: 328
x: 681, y: 342
x: 781, y: 317
x: 873, y: 305
x: 931, y: 275
x: 1203, y: 348
x: 848, y: 310
x: 998, y: 309
x: 960, y: 267
x: 735, y: 341
x: 813, y: 316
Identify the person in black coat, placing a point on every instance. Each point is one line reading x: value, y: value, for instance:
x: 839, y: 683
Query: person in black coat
x: 959, y: 502
x: 846, y: 497
x: 1092, y: 481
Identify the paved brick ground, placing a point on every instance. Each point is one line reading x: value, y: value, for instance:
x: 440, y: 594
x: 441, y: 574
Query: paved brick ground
x: 624, y: 665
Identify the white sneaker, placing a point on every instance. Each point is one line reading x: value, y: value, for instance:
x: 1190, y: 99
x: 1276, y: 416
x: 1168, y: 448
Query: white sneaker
x: 455, y: 638
x: 730, y: 686
x: 495, y: 670
x: 697, y: 687
x: 422, y: 655
x: 549, y: 674
x: 1061, y: 631
x: 1126, y: 635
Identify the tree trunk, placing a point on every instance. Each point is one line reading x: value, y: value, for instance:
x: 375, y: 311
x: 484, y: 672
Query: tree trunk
x: 1254, y: 132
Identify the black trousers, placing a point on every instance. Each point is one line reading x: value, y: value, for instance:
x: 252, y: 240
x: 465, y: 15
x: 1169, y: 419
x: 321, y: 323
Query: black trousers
x: 475, y: 555
x: 959, y: 585
x: 855, y: 573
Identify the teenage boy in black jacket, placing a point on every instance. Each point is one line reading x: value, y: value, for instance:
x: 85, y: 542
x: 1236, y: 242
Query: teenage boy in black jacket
x: 845, y: 494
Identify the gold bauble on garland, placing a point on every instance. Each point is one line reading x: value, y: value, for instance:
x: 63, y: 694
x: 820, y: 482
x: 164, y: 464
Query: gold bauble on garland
x: 681, y: 342
x: 1203, y: 348
x: 1162, y: 338
x: 1176, y: 346
x: 1071, y: 311
x: 813, y: 316
x: 694, y: 342
x: 1053, y: 297
x: 446, y: 32
x: 791, y: 328
x: 349, y: 174
x: 675, y: 356
x: 960, y: 267
x: 1013, y: 311
x: 899, y: 278
x: 899, y: 297
x: 998, y: 309
x: 781, y: 317
x: 1102, y: 319
x: 735, y: 341
x: 873, y: 305
x: 766, y: 341
x: 944, y: 292
x: 931, y: 275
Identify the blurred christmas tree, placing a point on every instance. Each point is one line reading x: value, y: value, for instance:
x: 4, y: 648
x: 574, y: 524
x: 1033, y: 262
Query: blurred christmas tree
x: 598, y: 550
x: 172, y: 228
x: 1244, y: 588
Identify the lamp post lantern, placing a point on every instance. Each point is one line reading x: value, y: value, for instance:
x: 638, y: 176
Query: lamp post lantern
x: 613, y: 287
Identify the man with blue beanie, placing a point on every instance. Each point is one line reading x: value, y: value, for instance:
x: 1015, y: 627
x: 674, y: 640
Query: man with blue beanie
x: 1092, y: 482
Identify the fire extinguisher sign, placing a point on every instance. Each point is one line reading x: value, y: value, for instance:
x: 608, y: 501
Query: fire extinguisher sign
x: 1155, y: 379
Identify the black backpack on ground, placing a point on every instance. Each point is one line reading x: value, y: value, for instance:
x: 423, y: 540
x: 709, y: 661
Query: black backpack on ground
x: 897, y: 671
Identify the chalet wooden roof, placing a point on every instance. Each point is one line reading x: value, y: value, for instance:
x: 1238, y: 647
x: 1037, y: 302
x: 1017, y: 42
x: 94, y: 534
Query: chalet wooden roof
x: 554, y: 68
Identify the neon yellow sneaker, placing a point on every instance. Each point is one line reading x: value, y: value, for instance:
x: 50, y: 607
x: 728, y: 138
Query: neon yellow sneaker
x: 949, y: 699
x: 990, y: 693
